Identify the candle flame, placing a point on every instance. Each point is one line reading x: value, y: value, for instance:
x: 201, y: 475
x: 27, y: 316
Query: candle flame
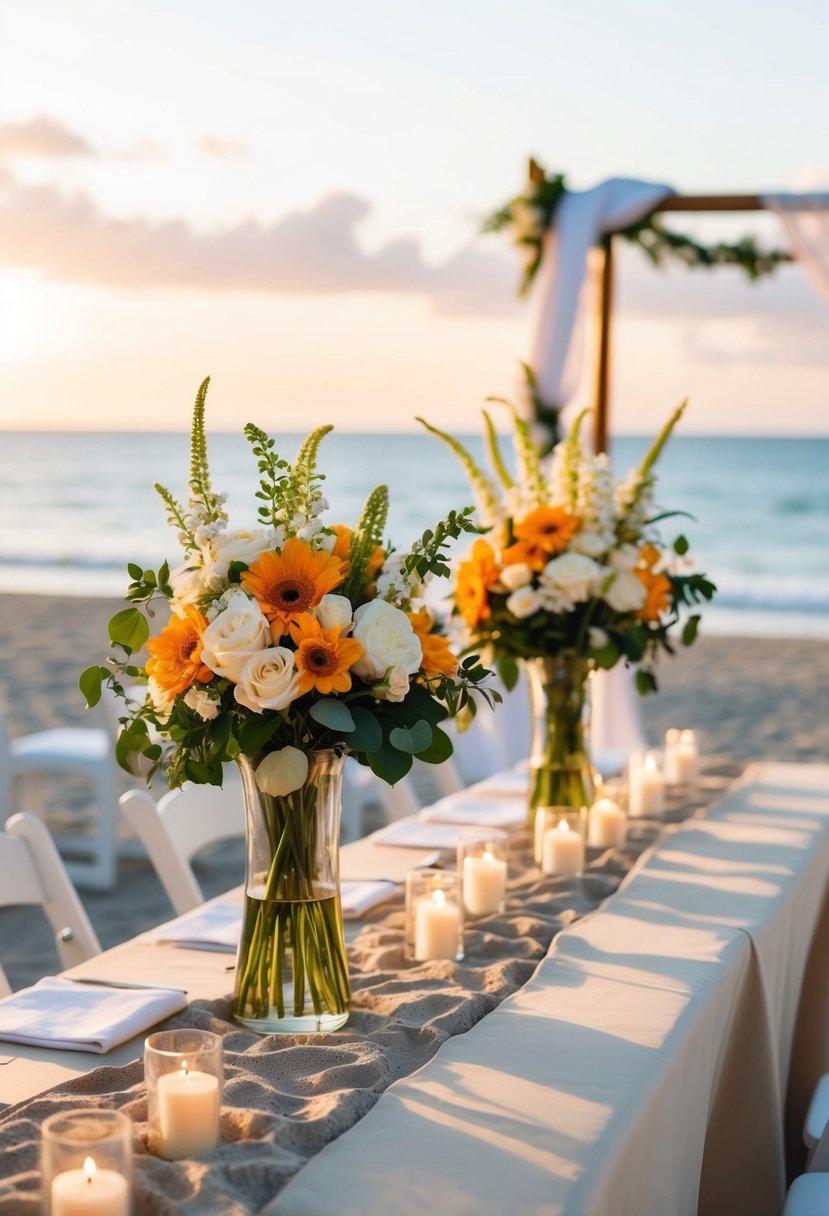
x: 564, y: 826
x: 488, y: 856
x: 650, y: 764
x: 687, y: 736
x: 184, y: 1069
x: 90, y: 1169
x: 439, y: 898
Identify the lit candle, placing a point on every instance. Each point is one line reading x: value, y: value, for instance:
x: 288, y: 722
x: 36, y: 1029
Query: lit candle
x: 90, y: 1192
x: 647, y: 789
x: 484, y: 883
x: 680, y: 757
x: 437, y: 928
x: 188, y: 1110
x: 563, y: 851
x: 608, y: 824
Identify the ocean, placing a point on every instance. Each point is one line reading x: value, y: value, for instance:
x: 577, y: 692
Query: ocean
x: 75, y: 507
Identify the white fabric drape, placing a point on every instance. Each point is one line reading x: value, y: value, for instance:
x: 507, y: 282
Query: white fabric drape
x: 805, y: 220
x: 582, y: 218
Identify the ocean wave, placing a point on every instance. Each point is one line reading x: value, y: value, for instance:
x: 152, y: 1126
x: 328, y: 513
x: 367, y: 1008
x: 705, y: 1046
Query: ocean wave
x: 748, y: 600
x: 69, y: 562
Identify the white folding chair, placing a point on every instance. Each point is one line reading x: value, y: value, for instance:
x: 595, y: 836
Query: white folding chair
x: 85, y: 750
x: 181, y: 824
x: 808, y: 1196
x: 31, y: 872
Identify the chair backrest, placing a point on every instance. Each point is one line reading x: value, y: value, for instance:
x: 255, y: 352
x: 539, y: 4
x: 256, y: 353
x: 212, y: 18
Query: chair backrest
x: 5, y: 775
x: 181, y: 824
x: 32, y: 873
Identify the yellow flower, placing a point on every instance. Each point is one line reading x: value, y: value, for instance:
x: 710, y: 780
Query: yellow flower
x: 540, y: 535
x: 438, y: 659
x: 176, y: 653
x: 287, y: 584
x: 475, y: 577
x: 323, y: 657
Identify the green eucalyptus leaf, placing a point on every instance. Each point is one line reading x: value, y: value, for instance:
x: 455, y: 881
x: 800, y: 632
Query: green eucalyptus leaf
x: 332, y: 714
x: 681, y: 545
x: 689, y: 632
x: 439, y: 750
x: 367, y: 735
x: 412, y: 739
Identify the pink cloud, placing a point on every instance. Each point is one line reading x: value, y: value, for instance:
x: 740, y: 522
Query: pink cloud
x: 220, y: 148
x: 42, y: 136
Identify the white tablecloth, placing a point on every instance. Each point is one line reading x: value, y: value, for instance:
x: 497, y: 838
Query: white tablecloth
x: 643, y: 1071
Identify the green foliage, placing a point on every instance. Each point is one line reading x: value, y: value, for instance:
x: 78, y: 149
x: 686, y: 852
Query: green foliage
x: 146, y: 585
x: 177, y: 518
x: 129, y: 629
x: 90, y: 681
x: 304, y: 478
x: 426, y: 555
x: 333, y: 715
x: 527, y: 454
x: 202, y: 499
x: 366, y: 537
x: 273, y: 478
x: 494, y: 453
x: 482, y: 487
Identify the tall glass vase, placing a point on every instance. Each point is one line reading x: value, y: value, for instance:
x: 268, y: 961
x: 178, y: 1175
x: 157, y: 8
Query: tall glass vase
x: 292, y: 971
x: 560, y: 770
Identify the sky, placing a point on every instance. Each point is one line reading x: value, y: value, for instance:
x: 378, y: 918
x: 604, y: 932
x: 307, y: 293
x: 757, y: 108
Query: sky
x: 289, y: 199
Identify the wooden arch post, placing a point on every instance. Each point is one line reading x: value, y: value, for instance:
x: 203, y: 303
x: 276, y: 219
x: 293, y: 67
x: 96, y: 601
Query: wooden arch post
x: 676, y: 202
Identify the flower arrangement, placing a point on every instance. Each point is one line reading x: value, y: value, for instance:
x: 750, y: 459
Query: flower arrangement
x: 291, y: 636
x: 569, y: 561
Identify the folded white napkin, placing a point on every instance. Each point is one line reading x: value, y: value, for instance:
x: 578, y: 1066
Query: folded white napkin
x: 417, y: 834
x: 503, y: 813
x: 83, y: 1017
x: 360, y: 897
x: 368, y: 860
x: 213, y: 926
x: 510, y: 784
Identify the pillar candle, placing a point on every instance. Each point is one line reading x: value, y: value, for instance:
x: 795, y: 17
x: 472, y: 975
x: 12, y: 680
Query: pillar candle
x: 484, y: 883
x: 188, y: 1110
x: 647, y: 790
x: 680, y: 757
x: 437, y: 928
x: 608, y: 824
x: 90, y: 1192
x: 563, y: 850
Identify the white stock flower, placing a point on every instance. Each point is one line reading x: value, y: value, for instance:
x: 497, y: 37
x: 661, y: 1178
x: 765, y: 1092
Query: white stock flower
x: 623, y: 558
x: 515, y: 576
x: 162, y: 701
x: 388, y: 640
x: 269, y: 680
x: 238, y: 546
x: 625, y: 593
x: 238, y: 632
x: 188, y: 585
x: 201, y: 703
x: 282, y: 772
x: 568, y: 580
x: 393, y: 687
x: 591, y: 544
x: 334, y: 612
x: 524, y: 602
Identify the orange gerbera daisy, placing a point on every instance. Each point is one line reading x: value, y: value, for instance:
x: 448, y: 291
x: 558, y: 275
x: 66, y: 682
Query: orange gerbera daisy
x: 438, y: 659
x: 323, y: 657
x: 549, y: 528
x: 658, y: 590
x: 475, y: 576
x: 176, y: 653
x: 287, y: 584
x: 342, y: 549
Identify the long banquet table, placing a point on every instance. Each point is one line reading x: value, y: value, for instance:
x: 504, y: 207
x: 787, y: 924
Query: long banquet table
x: 642, y: 1069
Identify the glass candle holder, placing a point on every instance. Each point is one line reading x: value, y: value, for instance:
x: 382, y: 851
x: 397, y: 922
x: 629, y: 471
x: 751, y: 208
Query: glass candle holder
x: 86, y: 1163
x: 184, y: 1075
x: 680, y: 757
x: 434, y: 915
x: 482, y: 871
x: 607, y: 823
x: 561, y: 839
x: 549, y: 817
x: 614, y: 788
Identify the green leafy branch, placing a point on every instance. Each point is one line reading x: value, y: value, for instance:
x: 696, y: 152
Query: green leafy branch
x: 426, y: 555
x: 273, y: 478
x: 482, y: 487
x: 303, y: 482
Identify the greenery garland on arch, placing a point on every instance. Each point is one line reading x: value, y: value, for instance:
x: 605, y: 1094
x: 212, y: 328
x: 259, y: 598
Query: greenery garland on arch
x: 531, y: 213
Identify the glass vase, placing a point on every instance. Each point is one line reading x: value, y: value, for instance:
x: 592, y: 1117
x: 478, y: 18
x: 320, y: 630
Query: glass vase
x: 560, y: 770
x: 292, y: 971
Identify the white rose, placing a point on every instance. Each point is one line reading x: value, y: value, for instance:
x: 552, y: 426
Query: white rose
x: 201, y: 703
x: 589, y: 543
x: 388, y: 640
x: 625, y: 593
x: 623, y: 558
x: 188, y: 587
x: 516, y: 576
x: 393, y: 687
x: 269, y: 680
x: 282, y: 772
x: 598, y: 638
x: 334, y: 612
x: 238, y: 632
x: 570, y: 579
x: 524, y: 602
x: 234, y: 547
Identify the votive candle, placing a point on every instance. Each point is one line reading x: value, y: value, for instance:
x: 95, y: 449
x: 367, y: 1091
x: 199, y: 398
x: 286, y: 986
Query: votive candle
x: 90, y: 1191
x: 680, y: 757
x: 484, y: 883
x: 437, y: 928
x: 607, y: 824
x: 188, y: 1113
x: 647, y: 790
x: 563, y: 850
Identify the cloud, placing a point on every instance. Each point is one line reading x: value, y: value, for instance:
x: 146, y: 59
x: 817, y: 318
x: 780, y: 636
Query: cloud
x: 220, y: 148
x: 313, y: 252
x: 143, y: 150
x: 42, y: 136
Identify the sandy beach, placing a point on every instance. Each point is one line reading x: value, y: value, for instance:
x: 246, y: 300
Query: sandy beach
x: 747, y: 698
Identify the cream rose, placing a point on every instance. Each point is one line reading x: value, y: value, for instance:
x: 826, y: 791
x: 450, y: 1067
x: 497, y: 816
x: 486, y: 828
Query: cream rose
x: 515, y: 576
x: 625, y: 593
x: 282, y: 772
x: 334, y: 612
x: 388, y: 640
x: 597, y: 637
x: 236, y: 546
x: 623, y: 558
x: 569, y: 580
x: 524, y: 602
x: 269, y: 680
x: 589, y: 543
x: 238, y: 632
x: 393, y: 687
